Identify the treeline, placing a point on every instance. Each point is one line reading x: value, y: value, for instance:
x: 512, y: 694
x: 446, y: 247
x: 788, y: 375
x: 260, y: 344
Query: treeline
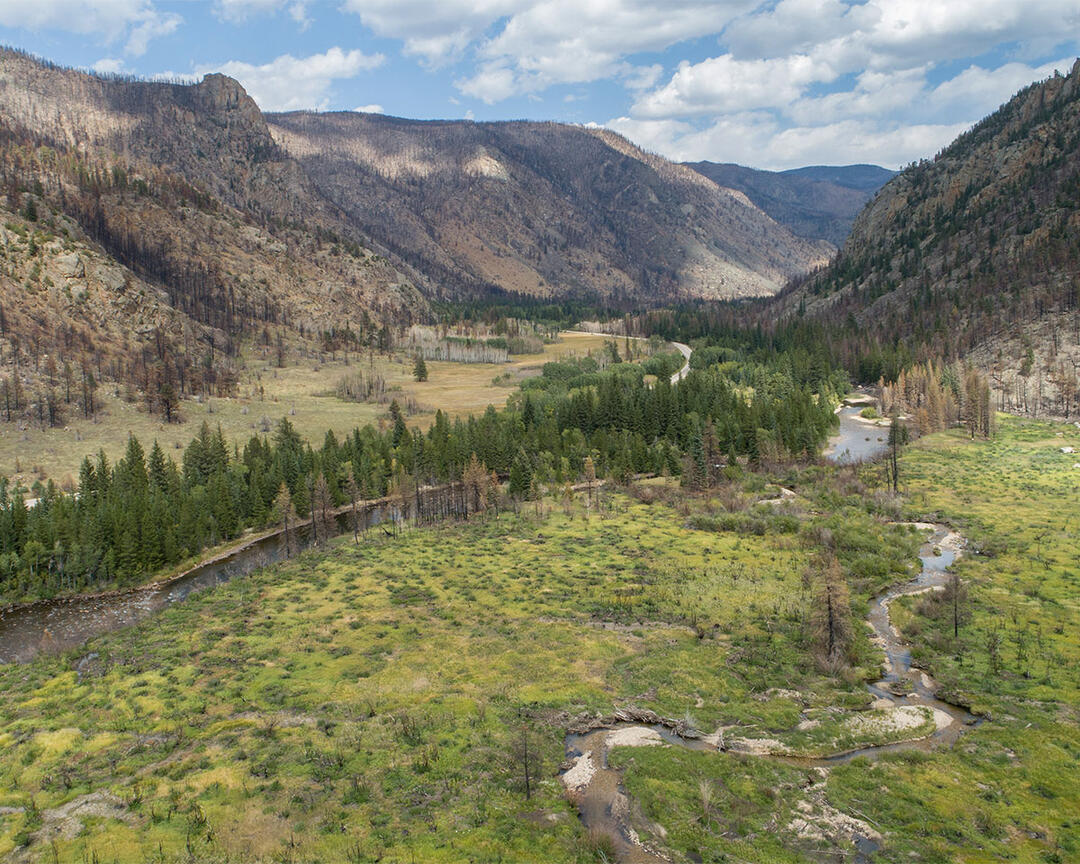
x: 938, y: 396
x: 148, y: 512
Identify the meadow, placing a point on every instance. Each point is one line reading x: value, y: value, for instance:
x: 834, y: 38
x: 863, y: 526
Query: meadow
x: 375, y: 701
x: 303, y: 390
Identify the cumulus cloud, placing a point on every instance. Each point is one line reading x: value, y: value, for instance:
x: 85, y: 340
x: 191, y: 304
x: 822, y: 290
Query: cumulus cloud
x: 434, y: 30
x: 135, y: 22
x: 292, y: 83
x: 760, y: 140
x: 109, y: 66
x: 370, y: 109
x: 723, y: 84
x: 801, y: 80
x: 579, y: 41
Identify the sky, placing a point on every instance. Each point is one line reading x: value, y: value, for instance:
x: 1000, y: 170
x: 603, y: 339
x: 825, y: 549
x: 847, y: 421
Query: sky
x: 775, y: 85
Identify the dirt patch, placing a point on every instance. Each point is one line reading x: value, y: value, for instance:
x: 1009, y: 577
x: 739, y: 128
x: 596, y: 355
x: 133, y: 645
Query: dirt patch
x: 634, y: 736
x: 66, y: 821
x: 757, y: 746
x: 817, y: 821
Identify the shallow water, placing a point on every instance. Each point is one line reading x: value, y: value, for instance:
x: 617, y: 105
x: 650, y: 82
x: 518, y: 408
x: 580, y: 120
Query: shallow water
x: 856, y: 441
x: 605, y: 807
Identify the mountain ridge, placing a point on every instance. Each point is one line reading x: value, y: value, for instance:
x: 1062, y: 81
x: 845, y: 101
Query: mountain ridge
x: 817, y: 202
x: 974, y: 254
x: 581, y: 209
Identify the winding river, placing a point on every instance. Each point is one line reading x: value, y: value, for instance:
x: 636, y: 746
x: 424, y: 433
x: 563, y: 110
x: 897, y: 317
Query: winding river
x: 53, y: 626
x: 597, y: 788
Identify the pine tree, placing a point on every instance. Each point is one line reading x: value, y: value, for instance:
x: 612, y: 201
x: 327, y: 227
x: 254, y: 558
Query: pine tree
x: 521, y: 475
x: 420, y: 372
x: 285, y: 514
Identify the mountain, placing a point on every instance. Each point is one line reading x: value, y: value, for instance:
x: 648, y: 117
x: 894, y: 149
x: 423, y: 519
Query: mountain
x: 229, y: 223
x: 541, y: 208
x: 818, y: 202
x: 974, y: 254
x: 180, y: 191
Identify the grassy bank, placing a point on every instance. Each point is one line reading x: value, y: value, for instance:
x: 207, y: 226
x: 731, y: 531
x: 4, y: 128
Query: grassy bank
x: 374, y: 702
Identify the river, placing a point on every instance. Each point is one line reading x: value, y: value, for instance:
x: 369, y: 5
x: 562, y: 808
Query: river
x: 54, y: 626
x: 858, y: 440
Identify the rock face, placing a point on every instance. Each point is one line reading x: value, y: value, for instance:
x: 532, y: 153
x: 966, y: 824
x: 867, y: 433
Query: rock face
x: 818, y: 202
x: 175, y: 200
x: 975, y: 253
x: 541, y: 208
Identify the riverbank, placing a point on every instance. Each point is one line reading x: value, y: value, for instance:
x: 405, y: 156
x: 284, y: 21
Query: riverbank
x: 377, y: 701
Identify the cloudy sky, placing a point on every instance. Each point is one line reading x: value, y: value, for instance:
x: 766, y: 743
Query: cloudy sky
x: 772, y: 84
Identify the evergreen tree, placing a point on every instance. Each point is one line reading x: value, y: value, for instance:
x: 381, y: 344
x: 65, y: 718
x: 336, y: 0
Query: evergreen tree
x: 420, y: 372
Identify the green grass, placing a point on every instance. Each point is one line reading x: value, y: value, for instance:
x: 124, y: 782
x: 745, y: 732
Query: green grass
x: 373, y: 695
x: 365, y: 703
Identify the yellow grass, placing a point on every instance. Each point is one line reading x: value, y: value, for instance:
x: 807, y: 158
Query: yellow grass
x: 302, y: 391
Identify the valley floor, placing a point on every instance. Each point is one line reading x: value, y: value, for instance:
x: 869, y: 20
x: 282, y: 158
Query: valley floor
x: 302, y: 391
x: 380, y: 701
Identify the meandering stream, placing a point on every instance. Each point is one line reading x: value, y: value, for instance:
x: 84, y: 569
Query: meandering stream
x: 606, y: 808
x: 54, y: 626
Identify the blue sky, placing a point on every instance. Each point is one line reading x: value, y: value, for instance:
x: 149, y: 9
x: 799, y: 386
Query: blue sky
x: 774, y: 85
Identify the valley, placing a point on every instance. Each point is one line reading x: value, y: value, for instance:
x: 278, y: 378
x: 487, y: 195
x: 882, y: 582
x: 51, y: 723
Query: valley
x: 412, y: 671
x: 377, y: 489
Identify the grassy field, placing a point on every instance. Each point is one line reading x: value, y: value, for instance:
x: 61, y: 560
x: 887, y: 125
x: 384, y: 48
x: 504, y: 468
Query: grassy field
x: 369, y: 701
x: 372, y: 702
x: 302, y: 391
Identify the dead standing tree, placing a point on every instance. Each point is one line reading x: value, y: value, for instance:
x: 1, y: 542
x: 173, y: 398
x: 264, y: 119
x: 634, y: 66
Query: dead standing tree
x: 285, y: 513
x: 831, y: 617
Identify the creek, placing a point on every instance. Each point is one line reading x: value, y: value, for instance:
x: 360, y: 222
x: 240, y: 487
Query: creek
x: 606, y: 808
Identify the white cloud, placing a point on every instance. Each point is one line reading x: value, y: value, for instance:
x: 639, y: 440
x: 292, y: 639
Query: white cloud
x: 109, y: 66
x: 642, y: 77
x: 370, y: 109
x: 292, y: 83
x: 492, y: 83
x: 832, y: 80
x: 299, y: 13
x: 757, y: 139
x: 580, y: 41
x: 241, y: 11
x: 435, y: 30
x: 723, y: 84
x: 150, y: 28
x: 134, y: 21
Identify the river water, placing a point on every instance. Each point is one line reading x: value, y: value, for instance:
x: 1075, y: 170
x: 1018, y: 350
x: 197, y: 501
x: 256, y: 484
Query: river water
x: 54, y: 626
x: 603, y: 803
x: 857, y: 440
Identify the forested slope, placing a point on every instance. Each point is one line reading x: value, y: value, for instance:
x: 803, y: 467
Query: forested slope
x: 973, y: 254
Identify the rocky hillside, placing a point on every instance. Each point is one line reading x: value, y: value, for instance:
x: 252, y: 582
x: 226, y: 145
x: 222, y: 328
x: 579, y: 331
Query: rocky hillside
x: 149, y: 227
x: 152, y: 227
x: 541, y: 208
x: 975, y: 254
x: 817, y: 202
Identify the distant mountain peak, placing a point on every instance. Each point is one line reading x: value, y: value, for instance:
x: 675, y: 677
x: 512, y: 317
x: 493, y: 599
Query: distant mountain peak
x: 818, y: 202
